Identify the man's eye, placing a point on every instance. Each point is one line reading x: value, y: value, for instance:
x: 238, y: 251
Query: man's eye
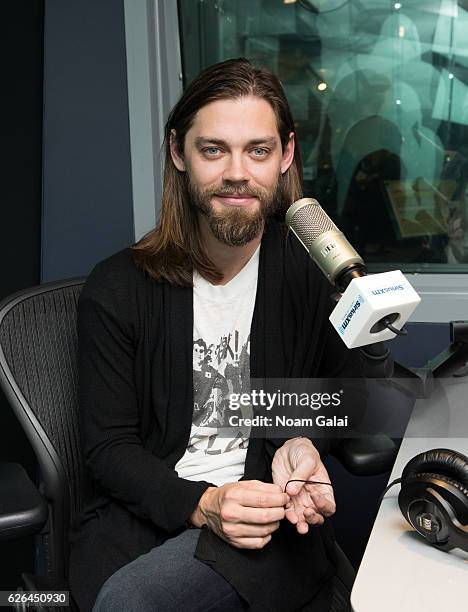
x: 211, y: 150
x: 259, y: 152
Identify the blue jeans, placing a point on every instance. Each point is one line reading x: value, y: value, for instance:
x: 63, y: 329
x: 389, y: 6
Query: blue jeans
x: 168, y: 578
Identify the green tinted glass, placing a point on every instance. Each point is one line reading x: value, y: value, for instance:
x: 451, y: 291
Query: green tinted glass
x: 378, y: 90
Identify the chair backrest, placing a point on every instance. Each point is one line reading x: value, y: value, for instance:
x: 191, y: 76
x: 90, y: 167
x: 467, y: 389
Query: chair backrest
x: 38, y: 373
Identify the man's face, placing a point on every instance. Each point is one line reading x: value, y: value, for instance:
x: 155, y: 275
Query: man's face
x: 198, y: 355
x: 234, y: 159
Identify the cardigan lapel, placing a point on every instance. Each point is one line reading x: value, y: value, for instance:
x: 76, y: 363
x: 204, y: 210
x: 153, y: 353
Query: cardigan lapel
x: 267, y: 345
x: 174, y: 388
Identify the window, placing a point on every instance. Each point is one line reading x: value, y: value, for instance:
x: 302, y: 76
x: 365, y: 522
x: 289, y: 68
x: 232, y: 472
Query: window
x: 379, y: 94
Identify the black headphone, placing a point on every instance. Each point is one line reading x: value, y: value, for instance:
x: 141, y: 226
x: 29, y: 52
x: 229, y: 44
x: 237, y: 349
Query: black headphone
x: 434, y: 497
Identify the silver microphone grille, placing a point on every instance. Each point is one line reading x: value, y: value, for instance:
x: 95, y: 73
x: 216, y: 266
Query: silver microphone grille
x: 308, y: 220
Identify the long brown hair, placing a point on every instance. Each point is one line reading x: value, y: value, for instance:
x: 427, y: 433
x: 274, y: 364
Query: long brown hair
x: 173, y: 249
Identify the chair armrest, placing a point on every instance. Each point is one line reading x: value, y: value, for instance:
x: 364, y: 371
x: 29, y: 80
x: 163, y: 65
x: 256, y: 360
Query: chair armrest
x: 23, y: 511
x: 366, y: 456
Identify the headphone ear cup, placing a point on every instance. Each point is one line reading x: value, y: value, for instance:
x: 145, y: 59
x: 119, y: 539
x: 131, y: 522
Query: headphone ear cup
x: 434, y: 497
x: 442, y: 461
x: 416, y: 500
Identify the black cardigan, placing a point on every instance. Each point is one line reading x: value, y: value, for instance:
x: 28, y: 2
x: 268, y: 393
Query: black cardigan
x: 136, y: 398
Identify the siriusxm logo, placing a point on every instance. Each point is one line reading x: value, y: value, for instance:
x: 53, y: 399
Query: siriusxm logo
x: 387, y: 289
x: 350, y: 314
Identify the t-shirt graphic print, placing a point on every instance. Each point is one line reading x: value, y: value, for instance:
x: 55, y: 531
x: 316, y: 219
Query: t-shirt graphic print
x: 221, y: 366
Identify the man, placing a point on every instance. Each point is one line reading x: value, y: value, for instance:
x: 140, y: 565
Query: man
x: 206, y: 525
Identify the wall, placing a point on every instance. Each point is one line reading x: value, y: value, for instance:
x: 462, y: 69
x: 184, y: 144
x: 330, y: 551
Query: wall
x: 87, y: 189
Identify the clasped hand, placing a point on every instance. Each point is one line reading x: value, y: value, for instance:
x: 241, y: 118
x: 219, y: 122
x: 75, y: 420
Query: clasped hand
x: 246, y: 513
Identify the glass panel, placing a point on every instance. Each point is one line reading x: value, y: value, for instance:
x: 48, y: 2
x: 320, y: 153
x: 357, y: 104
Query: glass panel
x: 379, y: 92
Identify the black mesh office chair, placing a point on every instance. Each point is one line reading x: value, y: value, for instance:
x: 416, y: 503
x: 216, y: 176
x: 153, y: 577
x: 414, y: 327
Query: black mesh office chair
x: 38, y: 373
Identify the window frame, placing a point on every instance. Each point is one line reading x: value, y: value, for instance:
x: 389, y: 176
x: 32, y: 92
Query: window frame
x: 155, y: 82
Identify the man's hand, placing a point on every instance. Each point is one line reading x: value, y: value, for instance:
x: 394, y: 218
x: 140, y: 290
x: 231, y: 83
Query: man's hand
x: 310, y: 503
x: 243, y: 513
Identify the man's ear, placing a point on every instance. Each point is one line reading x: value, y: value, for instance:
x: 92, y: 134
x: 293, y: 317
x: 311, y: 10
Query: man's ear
x: 175, y: 154
x: 288, y: 154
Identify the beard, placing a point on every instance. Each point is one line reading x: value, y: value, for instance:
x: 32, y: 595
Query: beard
x: 236, y: 226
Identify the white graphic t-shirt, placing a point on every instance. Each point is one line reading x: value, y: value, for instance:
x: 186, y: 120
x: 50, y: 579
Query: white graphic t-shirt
x: 222, y: 316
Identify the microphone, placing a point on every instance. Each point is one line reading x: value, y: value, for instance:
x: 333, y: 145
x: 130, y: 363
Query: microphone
x: 372, y: 308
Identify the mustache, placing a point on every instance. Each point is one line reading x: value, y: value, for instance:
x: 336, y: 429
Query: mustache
x: 241, y: 190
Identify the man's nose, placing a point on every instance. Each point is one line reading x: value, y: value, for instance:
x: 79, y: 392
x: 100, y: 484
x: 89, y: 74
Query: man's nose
x: 235, y: 170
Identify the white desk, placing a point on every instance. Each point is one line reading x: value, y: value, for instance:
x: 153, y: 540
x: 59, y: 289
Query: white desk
x: 399, y: 571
